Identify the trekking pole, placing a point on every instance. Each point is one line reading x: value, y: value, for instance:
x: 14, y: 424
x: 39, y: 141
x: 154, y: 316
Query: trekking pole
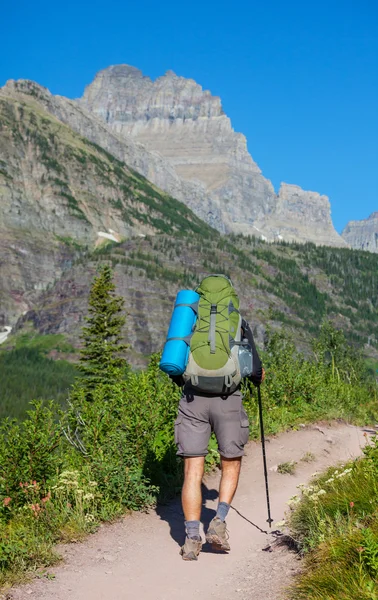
x: 269, y: 519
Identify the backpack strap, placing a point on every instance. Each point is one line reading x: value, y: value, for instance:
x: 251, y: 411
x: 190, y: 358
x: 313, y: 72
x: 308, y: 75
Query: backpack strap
x: 213, y: 318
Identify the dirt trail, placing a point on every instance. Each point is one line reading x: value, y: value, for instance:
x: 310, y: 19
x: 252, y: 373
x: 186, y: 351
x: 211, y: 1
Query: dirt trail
x: 138, y: 556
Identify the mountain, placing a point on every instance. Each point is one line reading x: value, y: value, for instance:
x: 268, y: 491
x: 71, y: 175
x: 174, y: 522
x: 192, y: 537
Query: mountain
x: 363, y: 234
x: 74, y: 193
x: 186, y: 125
x: 61, y: 196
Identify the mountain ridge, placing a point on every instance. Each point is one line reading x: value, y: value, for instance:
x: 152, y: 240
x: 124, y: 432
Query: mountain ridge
x: 363, y: 234
x: 73, y: 192
x: 187, y: 125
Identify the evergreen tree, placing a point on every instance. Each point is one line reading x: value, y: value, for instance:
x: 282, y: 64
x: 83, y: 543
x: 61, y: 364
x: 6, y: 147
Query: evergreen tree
x: 100, y: 362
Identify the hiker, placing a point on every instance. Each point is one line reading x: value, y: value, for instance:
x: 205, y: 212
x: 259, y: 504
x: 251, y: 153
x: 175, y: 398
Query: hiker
x: 199, y: 414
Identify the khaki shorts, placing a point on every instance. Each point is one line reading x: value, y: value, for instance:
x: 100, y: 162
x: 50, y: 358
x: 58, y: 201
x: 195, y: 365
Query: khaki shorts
x: 198, y: 416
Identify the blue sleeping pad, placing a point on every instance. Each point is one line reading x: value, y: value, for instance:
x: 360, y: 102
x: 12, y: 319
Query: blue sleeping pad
x: 176, y: 349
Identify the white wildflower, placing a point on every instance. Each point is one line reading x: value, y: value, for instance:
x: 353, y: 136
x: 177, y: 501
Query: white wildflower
x: 280, y: 523
x: 330, y: 480
x: 293, y: 500
x: 88, y: 496
x: 92, y: 483
x: 89, y: 518
x: 69, y: 475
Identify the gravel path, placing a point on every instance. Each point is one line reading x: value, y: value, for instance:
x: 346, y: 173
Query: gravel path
x: 138, y: 557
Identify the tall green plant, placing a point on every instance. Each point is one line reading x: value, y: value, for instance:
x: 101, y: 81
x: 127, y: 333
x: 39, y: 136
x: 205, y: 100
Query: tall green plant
x: 102, y: 337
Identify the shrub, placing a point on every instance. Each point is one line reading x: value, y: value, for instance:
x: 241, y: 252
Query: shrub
x: 335, y: 523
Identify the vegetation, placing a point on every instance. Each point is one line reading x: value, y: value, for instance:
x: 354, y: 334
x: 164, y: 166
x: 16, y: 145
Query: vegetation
x: 99, y: 356
x: 287, y: 468
x: 335, y: 524
x: 26, y: 373
x: 291, y: 285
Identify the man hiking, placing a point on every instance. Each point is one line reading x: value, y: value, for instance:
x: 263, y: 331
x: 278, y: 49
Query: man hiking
x: 201, y: 412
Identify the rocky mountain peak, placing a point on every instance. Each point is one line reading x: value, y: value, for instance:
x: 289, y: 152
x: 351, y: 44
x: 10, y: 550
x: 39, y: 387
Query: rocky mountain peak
x: 363, y: 235
x: 186, y: 125
x: 122, y: 94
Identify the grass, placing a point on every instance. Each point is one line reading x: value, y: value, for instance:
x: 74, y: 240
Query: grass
x: 26, y: 373
x: 43, y: 343
x: 308, y: 457
x: 287, y: 468
x: 335, y: 524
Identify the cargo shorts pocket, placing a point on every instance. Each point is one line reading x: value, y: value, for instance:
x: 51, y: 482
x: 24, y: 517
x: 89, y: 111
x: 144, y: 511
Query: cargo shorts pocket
x: 177, y: 427
x: 244, y: 428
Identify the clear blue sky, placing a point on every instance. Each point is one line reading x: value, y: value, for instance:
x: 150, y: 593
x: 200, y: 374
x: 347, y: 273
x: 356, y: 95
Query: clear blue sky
x: 298, y: 78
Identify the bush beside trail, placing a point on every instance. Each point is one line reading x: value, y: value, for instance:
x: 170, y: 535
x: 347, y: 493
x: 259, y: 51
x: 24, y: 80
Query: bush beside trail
x: 112, y: 450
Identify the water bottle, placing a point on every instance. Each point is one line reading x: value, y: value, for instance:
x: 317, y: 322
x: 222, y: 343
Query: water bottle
x: 245, y: 358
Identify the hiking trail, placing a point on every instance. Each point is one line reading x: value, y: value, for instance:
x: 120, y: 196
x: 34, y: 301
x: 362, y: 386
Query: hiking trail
x: 138, y: 556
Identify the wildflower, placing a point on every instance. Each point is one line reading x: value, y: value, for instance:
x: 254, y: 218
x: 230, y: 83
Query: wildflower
x: 6, y: 501
x: 346, y: 472
x: 92, y: 483
x: 330, y: 480
x: 88, y: 496
x: 69, y: 474
x: 21, y: 484
x: 307, y: 490
x: 293, y: 500
x: 46, y: 498
x: 35, y: 508
x: 80, y: 492
x: 321, y: 492
x: 360, y: 549
x: 89, y: 518
x: 280, y: 523
x: 351, y: 504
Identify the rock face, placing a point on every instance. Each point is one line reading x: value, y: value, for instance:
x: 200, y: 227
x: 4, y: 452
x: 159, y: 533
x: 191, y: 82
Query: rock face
x: 61, y: 196
x: 187, y: 126
x: 297, y: 212
x: 363, y: 235
x: 150, y: 164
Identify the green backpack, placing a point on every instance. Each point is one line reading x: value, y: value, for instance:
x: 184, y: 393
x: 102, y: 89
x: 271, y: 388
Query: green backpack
x: 213, y: 364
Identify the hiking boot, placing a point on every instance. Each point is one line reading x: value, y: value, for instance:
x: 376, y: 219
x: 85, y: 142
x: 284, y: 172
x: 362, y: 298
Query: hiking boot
x: 191, y: 548
x: 217, y: 535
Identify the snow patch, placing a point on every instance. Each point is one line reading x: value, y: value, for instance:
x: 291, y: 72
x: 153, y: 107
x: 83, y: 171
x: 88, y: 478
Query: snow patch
x: 262, y: 237
x: 108, y: 236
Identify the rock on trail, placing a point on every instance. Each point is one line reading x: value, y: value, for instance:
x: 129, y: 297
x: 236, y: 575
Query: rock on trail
x: 138, y: 557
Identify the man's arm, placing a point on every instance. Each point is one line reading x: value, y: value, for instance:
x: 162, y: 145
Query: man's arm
x: 258, y: 373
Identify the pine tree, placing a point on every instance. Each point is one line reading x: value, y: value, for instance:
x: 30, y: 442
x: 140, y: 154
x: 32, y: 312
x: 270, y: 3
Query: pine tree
x: 100, y: 362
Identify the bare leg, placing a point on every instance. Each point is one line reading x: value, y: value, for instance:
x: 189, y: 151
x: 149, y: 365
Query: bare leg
x: 229, y: 479
x: 191, y: 495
